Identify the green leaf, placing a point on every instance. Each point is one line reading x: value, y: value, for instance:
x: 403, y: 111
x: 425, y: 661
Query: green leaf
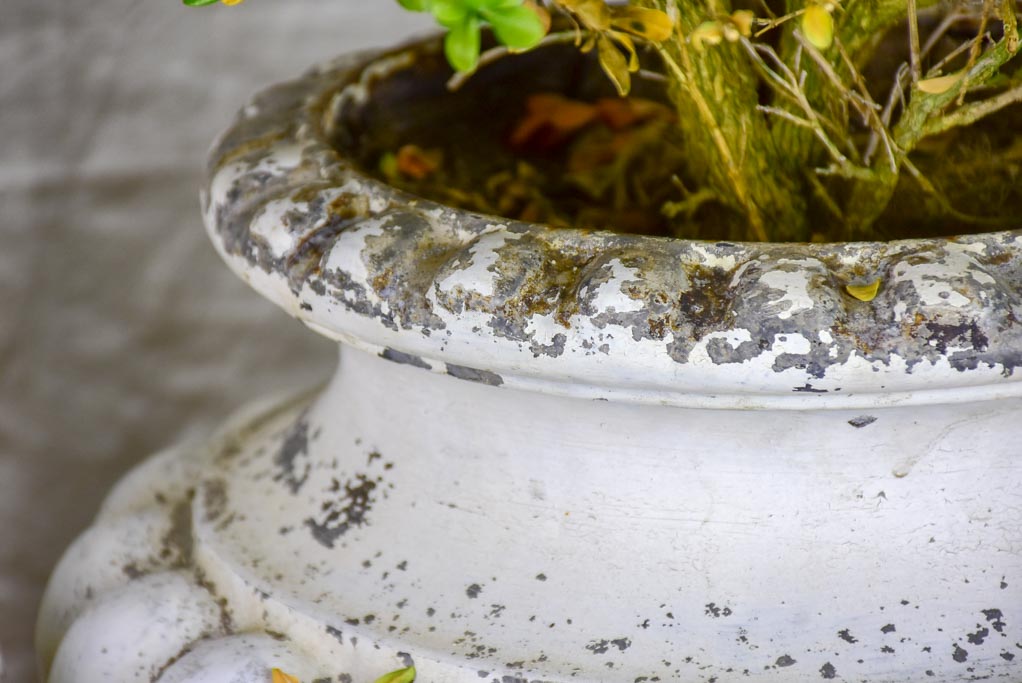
x: 499, y: 4
x: 399, y: 676
x: 518, y: 27
x: 415, y: 5
x: 462, y: 44
x: 199, y: 3
x: 450, y: 13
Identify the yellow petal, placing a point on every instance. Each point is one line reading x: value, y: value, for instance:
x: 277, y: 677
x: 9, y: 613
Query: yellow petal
x: 278, y: 676
x: 399, y: 676
x: 940, y: 84
x: 232, y: 2
x: 818, y: 26
x: 864, y: 292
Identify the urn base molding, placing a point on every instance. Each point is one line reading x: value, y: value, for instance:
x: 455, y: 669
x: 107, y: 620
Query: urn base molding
x: 402, y: 516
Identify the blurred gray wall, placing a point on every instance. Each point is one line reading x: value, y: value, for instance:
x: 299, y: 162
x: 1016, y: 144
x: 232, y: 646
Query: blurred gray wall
x: 120, y: 330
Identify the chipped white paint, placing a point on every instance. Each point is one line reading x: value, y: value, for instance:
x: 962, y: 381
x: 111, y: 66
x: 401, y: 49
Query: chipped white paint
x: 548, y: 528
x: 483, y: 256
x: 222, y: 183
x: 792, y: 343
x: 930, y: 280
x: 712, y: 260
x: 271, y: 225
x: 610, y: 295
x: 898, y: 310
x: 344, y: 254
x: 793, y: 284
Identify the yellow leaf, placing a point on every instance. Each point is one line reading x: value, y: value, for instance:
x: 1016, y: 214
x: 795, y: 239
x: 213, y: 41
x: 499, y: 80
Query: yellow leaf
x: 707, y: 33
x: 593, y: 14
x: 281, y: 677
x: 614, y: 65
x: 628, y: 45
x: 651, y: 24
x: 399, y: 676
x: 742, y: 19
x: 864, y: 292
x: 940, y: 84
x: 818, y: 26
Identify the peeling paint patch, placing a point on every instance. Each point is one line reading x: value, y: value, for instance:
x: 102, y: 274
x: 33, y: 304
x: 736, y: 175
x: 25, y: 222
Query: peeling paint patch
x: 404, y: 358
x: 473, y: 375
x: 347, y: 509
x: 995, y: 617
x: 599, y: 647
x: 292, y: 458
x: 712, y: 610
x: 214, y: 499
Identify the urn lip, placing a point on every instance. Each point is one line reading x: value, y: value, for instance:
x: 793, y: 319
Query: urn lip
x: 598, y: 315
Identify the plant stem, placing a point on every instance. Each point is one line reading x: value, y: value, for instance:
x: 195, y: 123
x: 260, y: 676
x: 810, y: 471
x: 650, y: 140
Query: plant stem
x: 970, y: 113
x: 870, y: 198
x: 727, y: 139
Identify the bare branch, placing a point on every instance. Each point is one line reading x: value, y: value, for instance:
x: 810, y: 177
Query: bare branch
x: 792, y: 86
x: 975, y: 50
x: 913, y: 40
x: 970, y: 113
x: 929, y: 188
x: 874, y: 118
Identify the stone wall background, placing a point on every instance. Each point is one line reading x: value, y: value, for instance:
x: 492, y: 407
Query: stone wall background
x: 120, y: 330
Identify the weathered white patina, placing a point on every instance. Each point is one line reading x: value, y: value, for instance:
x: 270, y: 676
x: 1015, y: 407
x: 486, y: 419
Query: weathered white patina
x: 552, y: 455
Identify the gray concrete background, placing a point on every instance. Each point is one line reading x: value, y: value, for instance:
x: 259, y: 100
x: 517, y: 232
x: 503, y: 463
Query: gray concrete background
x: 120, y: 330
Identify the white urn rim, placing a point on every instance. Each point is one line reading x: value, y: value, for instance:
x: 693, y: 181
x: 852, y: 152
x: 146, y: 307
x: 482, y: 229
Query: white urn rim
x: 599, y: 315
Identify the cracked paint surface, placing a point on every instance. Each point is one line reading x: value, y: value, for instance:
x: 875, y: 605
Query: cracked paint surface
x: 370, y: 265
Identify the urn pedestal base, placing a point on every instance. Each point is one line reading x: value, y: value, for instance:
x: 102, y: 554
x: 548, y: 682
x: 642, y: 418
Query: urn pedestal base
x: 486, y: 534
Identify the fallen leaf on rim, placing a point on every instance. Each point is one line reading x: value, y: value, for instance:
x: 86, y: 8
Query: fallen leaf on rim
x: 399, y: 676
x: 864, y: 292
x: 279, y: 676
